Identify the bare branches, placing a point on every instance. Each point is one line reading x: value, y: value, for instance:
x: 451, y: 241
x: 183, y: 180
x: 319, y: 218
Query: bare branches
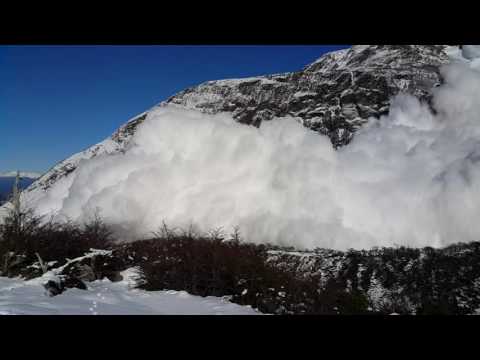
x: 235, y: 235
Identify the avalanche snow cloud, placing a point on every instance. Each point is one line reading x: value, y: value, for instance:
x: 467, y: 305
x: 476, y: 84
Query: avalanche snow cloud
x: 410, y: 178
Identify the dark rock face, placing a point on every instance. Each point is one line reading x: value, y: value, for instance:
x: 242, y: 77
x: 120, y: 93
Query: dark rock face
x: 334, y: 96
x: 125, y: 132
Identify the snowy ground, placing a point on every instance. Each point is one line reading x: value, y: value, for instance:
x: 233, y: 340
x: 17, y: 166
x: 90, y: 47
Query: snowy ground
x: 19, y: 297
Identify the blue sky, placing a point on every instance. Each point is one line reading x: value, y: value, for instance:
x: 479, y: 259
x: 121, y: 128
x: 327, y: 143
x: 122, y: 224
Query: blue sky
x: 58, y: 100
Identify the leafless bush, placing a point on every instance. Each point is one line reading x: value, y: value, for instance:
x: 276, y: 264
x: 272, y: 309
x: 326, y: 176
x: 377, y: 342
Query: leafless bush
x: 26, y: 238
x: 211, y: 266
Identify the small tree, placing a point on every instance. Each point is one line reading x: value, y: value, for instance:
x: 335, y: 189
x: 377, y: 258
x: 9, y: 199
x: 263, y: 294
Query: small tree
x: 12, y: 224
x: 16, y: 198
x: 235, y: 235
x: 17, y: 230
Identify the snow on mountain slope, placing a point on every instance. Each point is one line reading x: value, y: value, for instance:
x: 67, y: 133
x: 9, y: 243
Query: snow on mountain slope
x: 334, y: 96
x: 19, y: 297
x: 58, y: 175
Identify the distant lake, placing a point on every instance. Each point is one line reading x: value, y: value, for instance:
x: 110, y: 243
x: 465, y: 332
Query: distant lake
x: 6, y: 186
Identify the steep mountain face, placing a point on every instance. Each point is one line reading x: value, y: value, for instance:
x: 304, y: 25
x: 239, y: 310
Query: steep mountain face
x: 334, y: 96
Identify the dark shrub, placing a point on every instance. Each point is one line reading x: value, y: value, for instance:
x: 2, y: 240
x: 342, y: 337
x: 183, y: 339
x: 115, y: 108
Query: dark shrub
x: 214, y: 266
x: 24, y: 238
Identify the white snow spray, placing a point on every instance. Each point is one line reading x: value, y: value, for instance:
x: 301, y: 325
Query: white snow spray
x: 410, y: 178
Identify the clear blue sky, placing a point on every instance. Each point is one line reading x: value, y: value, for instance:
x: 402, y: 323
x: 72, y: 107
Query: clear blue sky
x: 58, y: 100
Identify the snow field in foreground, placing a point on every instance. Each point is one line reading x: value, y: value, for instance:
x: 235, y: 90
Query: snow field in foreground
x: 19, y: 297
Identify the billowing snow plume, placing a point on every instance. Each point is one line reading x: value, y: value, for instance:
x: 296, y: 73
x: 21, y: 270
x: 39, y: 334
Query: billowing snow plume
x: 411, y: 178
x: 471, y: 51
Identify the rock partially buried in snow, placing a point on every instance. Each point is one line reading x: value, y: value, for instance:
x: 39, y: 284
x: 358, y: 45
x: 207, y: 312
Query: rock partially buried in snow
x: 76, y: 273
x: 62, y: 283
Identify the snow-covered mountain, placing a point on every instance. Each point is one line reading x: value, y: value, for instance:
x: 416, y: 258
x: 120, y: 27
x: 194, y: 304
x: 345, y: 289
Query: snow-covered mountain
x: 24, y: 174
x: 334, y: 96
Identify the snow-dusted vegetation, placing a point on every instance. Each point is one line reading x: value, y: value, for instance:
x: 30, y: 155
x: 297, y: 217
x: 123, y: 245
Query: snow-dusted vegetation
x: 57, y: 261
